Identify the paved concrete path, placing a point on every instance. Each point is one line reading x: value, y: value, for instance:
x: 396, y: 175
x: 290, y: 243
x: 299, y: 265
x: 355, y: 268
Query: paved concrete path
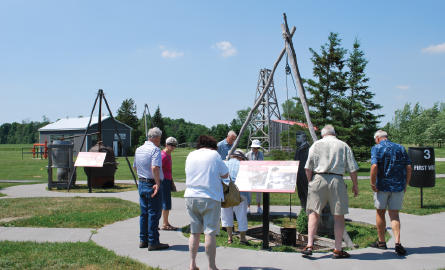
x: 422, y: 236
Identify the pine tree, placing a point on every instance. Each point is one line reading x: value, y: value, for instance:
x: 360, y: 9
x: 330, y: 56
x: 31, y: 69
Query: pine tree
x: 326, y: 94
x: 359, y: 121
x: 159, y: 122
x: 127, y: 114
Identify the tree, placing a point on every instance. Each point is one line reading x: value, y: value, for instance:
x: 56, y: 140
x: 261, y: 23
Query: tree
x: 400, y: 124
x: 4, y: 131
x: 221, y: 132
x: 159, y: 122
x: 46, y: 119
x: 181, y: 135
x: 359, y: 121
x: 127, y: 114
x: 296, y: 111
x: 327, y: 92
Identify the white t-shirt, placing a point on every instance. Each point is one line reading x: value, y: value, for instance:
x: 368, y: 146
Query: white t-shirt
x: 203, y: 170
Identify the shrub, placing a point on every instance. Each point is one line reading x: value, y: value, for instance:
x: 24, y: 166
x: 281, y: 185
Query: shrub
x: 280, y: 155
x: 302, y: 221
x: 130, y: 151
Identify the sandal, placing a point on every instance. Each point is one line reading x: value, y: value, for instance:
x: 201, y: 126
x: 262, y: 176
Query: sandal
x: 169, y: 228
x: 340, y: 254
x: 243, y: 243
x: 306, y: 250
x: 400, y: 250
x: 229, y: 241
x: 379, y: 245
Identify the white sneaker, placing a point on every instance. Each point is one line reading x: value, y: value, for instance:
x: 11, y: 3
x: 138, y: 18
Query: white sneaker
x: 248, y: 210
x: 259, y: 210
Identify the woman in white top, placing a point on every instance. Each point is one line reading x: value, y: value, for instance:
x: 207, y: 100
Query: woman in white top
x: 204, y: 169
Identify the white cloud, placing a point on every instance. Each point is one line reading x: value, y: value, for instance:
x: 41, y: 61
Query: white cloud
x: 403, y: 87
x: 435, y: 48
x: 172, y: 54
x: 227, y: 48
x: 400, y: 97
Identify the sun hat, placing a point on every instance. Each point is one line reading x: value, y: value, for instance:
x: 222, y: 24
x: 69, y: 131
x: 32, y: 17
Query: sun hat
x: 255, y: 144
x: 171, y: 140
x: 240, y: 154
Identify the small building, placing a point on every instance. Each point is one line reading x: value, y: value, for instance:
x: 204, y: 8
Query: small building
x: 73, y: 129
x: 276, y: 127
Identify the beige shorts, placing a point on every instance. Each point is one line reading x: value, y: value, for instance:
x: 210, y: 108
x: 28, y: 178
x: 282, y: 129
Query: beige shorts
x: 390, y: 200
x: 330, y: 189
x: 204, y: 215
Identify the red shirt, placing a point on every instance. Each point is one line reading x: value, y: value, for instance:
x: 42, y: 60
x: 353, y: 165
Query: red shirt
x: 167, y: 165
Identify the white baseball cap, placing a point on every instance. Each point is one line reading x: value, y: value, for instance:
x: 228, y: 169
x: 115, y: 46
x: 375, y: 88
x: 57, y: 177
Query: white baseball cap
x: 171, y: 140
x: 255, y: 144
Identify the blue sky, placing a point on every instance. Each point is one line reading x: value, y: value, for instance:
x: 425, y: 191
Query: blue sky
x: 199, y: 60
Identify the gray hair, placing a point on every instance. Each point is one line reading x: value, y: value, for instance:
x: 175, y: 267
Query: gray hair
x: 231, y: 133
x: 380, y: 134
x: 328, y: 130
x: 153, y: 133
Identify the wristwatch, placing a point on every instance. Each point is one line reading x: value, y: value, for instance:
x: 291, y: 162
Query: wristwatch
x: 372, y: 185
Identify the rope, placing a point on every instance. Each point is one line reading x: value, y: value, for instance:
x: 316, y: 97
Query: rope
x: 288, y: 105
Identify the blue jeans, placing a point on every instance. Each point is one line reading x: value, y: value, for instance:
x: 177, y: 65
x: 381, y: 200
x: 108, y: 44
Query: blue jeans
x: 150, y: 213
x: 166, y: 194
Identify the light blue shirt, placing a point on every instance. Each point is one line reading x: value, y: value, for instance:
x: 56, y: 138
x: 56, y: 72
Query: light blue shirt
x: 148, y: 155
x: 233, y: 165
x: 223, y: 149
x: 251, y: 155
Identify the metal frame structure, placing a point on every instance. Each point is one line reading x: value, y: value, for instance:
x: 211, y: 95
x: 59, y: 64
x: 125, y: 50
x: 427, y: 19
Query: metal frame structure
x: 267, y: 109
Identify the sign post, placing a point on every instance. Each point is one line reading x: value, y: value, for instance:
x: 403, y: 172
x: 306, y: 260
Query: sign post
x: 267, y: 177
x: 90, y: 159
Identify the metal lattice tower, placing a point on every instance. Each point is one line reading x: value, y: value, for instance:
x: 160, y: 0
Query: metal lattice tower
x: 267, y: 110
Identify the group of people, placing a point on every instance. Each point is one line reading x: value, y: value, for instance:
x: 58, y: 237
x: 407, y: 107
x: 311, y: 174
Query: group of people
x: 328, y: 160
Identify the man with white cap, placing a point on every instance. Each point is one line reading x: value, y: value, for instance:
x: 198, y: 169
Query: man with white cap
x: 255, y: 155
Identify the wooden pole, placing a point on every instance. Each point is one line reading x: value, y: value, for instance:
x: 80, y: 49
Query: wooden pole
x: 293, y: 61
x: 260, y: 98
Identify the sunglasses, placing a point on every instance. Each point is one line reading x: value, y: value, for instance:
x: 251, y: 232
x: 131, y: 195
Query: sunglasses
x: 174, y: 145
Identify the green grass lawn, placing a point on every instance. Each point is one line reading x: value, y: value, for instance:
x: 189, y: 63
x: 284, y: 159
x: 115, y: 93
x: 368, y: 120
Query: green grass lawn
x: 73, y: 212
x: 13, y: 167
x: 32, y: 255
x: 16, y: 147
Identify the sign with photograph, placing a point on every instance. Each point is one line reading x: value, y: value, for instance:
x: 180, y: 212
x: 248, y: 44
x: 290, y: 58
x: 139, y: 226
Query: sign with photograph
x: 90, y: 159
x: 267, y: 176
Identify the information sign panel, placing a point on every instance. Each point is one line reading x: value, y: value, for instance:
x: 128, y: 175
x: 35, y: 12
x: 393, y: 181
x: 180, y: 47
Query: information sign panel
x: 267, y: 176
x: 90, y: 159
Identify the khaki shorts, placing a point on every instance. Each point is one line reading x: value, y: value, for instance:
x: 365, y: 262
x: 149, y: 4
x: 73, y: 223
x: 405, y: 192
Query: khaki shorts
x: 390, y: 200
x: 330, y: 189
x: 204, y: 215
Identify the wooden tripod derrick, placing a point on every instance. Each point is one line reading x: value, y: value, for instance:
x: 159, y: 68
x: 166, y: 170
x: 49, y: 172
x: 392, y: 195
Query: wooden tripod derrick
x: 268, y: 108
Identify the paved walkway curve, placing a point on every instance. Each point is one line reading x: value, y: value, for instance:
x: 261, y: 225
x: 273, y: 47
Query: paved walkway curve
x: 422, y: 236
